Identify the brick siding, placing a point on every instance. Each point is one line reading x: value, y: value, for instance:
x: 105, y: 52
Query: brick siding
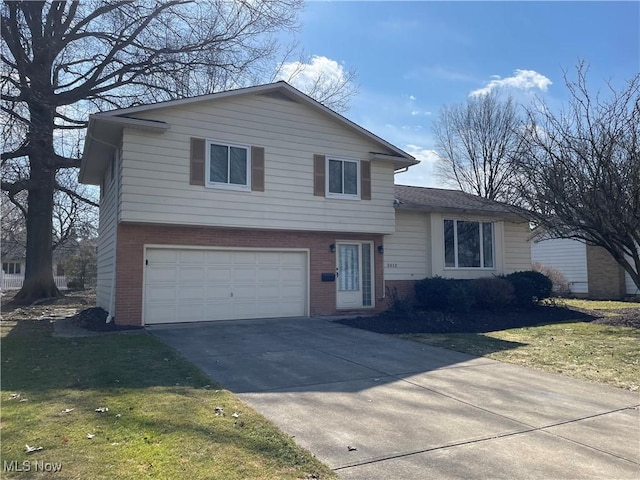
x: 133, y: 237
x: 605, y: 276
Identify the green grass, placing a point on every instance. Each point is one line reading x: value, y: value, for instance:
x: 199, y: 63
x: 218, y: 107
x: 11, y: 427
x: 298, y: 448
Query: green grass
x: 161, y: 421
x: 597, y: 304
x: 601, y: 353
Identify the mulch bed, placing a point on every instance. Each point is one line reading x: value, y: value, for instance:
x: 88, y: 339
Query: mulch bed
x: 95, y: 319
x: 430, y: 321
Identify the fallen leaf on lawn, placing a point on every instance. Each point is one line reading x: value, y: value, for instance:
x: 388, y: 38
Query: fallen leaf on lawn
x: 29, y: 449
x: 351, y: 449
x: 118, y: 415
x: 102, y: 409
x: 219, y: 412
x: 66, y: 410
x: 235, y: 414
x: 23, y: 400
x: 90, y: 435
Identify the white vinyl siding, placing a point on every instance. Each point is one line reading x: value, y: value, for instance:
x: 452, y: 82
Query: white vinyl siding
x: 567, y: 255
x: 107, y: 228
x: 517, y: 247
x: 407, y: 253
x: 155, y: 176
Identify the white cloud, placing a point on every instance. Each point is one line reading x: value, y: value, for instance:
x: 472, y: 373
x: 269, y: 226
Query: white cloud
x: 304, y: 76
x: 421, y: 175
x: 411, y: 97
x: 521, y: 80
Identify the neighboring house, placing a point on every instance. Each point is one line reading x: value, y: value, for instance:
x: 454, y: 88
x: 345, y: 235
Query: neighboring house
x: 254, y: 203
x: 13, y: 265
x: 591, y: 271
x: 452, y: 234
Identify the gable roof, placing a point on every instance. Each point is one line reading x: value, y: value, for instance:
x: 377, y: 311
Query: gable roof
x: 453, y: 201
x: 105, y: 127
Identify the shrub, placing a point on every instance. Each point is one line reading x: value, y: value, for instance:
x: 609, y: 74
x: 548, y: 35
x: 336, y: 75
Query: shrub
x: 399, y: 307
x: 437, y: 293
x: 432, y: 292
x: 529, y: 287
x: 559, y: 281
x: 492, y: 292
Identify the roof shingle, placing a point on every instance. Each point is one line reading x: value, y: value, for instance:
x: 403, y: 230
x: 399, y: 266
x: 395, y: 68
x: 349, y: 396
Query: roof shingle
x: 451, y: 201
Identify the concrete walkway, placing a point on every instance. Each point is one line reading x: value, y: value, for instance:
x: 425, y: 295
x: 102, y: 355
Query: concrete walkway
x: 376, y: 407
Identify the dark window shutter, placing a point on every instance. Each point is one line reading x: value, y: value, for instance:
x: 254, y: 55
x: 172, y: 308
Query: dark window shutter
x: 197, y: 161
x: 257, y: 169
x: 365, y: 179
x: 318, y: 175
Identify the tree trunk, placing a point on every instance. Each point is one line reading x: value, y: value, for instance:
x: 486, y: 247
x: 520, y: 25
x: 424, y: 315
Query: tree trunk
x: 38, y: 275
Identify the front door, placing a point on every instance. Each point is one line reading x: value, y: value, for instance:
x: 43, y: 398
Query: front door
x: 354, y: 274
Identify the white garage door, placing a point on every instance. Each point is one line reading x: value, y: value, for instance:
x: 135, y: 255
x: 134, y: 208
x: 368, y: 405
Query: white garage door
x: 193, y: 285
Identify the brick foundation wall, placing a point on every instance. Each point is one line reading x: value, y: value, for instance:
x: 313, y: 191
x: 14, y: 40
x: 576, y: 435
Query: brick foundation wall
x: 133, y: 237
x: 403, y: 289
x: 605, y: 276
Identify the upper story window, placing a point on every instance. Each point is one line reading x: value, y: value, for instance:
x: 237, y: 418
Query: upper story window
x: 228, y: 166
x: 468, y: 244
x: 343, y: 178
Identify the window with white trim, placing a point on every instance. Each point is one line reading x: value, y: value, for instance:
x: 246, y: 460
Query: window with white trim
x: 228, y: 166
x: 11, y: 268
x: 343, y: 178
x: 468, y: 244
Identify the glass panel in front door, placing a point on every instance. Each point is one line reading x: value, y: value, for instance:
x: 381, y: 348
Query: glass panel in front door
x: 348, y: 267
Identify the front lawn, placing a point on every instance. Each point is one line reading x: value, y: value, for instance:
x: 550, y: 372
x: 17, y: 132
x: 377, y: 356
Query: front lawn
x: 597, y: 341
x: 601, y: 353
x: 162, y: 418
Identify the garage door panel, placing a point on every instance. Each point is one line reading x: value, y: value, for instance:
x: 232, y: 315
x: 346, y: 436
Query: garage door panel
x: 163, y: 274
x: 163, y: 293
x: 270, y: 258
x: 196, y: 257
x: 162, y: 256
x: 217, y: 257
x: 190, y: 292
x: 220, y: 274
x: 188, y: 285
x: 191, y: 274
x: 266, y: 292
x: 161, y: 313
x: 294, y: 274
x: 192, y: 311
x: 245, y: 258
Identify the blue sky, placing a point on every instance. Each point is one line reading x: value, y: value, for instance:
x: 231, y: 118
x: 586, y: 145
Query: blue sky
x: 414, y: 57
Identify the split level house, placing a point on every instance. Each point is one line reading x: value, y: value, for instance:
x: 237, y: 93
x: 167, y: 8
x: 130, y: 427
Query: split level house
x: 261, y: 202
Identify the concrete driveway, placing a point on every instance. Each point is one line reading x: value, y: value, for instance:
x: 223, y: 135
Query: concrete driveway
x: 375, y: 407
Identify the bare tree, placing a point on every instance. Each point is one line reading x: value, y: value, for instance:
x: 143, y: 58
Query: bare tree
x: 581, y: 171
x: 321, y: 78
x: 63, y: 59
x: 476, y: 142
